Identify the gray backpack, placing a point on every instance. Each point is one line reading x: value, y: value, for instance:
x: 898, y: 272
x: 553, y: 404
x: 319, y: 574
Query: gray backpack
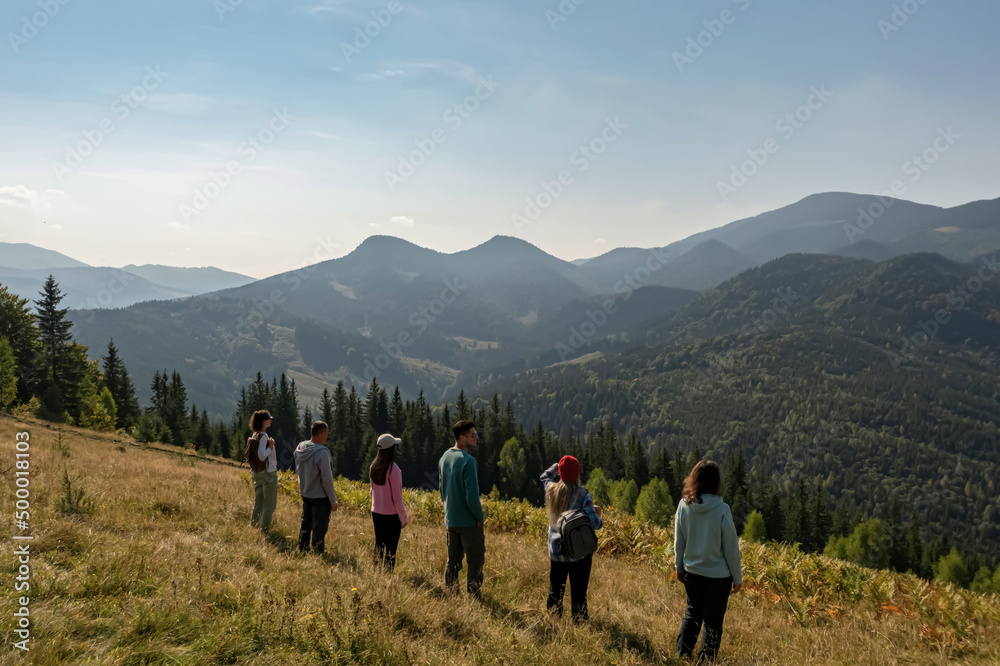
x: 578, y: 537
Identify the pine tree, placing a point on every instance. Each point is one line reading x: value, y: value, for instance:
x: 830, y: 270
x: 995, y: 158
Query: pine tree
x: 53, y: 327
x: 819, y: 519
x: 326, y: 408
x: 736, y: 488
x: 636, y: 465
x: 8, y: 374
x: 17, y: 324
x: 462, y: 411
x: 797, y: 516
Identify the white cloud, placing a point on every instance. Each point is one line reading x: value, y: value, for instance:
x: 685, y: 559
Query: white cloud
x: 18, y: 196
x: 179, y: 226
x: 385, y: 74
x: 56, y: 227
x: 374, y: 225
x: 404, y: 221
x: 599, y: 241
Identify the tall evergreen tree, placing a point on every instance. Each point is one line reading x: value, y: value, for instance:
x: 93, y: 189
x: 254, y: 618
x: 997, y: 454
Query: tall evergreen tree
x: 17, y: 324
x: 736, y: 488
x: 636, y: 465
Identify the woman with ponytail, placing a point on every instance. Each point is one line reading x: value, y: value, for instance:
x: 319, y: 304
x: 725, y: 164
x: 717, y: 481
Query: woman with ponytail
x: 388, y: 512
x: 562, y: 493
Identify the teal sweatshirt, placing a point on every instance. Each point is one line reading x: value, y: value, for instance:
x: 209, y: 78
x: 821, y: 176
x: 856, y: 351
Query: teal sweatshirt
x: 705, y: 540
x: 460, y: 489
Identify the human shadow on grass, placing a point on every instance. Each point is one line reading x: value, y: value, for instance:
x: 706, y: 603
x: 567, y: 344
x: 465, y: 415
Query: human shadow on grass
x: 532, y: 619
x: 425, y: 584
x: 627, y: 640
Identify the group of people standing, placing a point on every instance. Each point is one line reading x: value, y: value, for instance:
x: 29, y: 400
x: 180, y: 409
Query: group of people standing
x: 706, y: 549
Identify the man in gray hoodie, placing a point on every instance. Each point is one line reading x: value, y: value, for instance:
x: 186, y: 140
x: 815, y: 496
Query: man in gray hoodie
x: 312, y: 463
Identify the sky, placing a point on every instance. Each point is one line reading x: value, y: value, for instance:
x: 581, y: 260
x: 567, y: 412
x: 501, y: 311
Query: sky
x: 259, y: 136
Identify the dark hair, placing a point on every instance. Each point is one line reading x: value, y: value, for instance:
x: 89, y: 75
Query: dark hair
x: 318, y: 427
x: 704, y: 479
x: 461, y: 428
x: 258, y: 418
x: 379, y: 470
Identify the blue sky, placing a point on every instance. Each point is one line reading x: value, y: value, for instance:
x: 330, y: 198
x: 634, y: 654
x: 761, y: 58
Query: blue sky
x: 329, y: 127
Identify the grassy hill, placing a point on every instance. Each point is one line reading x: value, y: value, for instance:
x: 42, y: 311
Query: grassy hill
x: 163, y: 568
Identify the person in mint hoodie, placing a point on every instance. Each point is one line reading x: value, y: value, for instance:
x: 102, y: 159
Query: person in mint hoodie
x: 463, y: 511
x: 706, y: 559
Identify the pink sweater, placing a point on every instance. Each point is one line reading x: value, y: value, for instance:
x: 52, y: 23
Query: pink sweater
x: 387, y: 499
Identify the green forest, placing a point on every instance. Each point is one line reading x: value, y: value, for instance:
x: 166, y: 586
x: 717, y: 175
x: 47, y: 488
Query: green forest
x: 888, y: 469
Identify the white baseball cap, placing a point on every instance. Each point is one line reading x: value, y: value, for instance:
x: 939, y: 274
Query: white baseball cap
x: 385, y: 441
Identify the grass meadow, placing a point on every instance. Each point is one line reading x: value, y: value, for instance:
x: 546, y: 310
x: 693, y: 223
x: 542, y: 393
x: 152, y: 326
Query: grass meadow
x: 154, y: 562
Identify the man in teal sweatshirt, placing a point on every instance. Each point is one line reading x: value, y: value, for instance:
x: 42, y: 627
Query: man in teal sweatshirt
x: 463, y: 512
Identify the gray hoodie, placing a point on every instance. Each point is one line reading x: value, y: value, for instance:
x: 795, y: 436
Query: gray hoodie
x: 705, y: 540
x: 312, y: 463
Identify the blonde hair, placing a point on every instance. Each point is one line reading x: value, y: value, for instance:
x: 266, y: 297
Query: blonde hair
x: 558, y: 496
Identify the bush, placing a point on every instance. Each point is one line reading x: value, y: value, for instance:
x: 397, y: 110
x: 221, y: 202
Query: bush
x: 624, y: 495
x: 598, y: 485
x: 655, y: 505
x: 754, y: 531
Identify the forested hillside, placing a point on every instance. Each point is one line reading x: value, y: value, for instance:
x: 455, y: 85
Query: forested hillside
x: 802, y: 364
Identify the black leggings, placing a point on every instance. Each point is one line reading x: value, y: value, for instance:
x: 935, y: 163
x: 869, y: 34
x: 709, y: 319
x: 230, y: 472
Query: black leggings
x: 579, y: 578
x: 387, y: 530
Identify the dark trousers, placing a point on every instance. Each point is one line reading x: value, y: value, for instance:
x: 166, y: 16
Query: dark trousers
x: 707, y: 599
x: 315, y: 522
x: 579, y: 578
x: 468, y: 542
x: 387, y: 530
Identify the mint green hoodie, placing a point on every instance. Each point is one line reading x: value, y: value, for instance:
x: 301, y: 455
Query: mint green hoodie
x: 705, y: 540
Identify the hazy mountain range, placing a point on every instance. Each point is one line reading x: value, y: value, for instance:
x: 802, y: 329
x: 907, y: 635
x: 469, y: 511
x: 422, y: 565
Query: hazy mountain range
x: 431, y: 321
x: 24, y: 268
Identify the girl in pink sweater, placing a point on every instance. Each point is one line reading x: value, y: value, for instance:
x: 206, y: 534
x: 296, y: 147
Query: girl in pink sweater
x: 388, y: 512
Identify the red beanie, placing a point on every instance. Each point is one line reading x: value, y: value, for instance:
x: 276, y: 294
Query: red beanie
x: 569, y: 469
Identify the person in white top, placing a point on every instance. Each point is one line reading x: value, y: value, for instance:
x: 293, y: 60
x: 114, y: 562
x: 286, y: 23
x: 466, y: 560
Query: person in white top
x: 265, y: 483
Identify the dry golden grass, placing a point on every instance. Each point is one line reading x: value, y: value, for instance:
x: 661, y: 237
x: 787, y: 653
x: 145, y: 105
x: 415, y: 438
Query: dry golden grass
x: 167, y: 570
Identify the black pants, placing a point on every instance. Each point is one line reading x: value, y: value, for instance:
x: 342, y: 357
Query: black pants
x: 707, y: 599
x: 469, y: 543
x: 315, y: 522
x: 579, y: 578
x: 387, y: 530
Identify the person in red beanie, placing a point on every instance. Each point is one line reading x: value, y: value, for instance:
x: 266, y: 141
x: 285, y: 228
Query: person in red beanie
x: 563, y: 492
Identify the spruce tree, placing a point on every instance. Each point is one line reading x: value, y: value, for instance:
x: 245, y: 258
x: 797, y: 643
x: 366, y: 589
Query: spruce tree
x: 17, y: 324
